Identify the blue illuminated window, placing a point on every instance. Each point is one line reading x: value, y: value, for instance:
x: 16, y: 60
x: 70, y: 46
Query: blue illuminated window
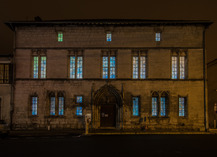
x: 174, y: 67
x: 105, y: 67
x: 157, y: 36
x: 154, y: 106
x: 109, y: 37
x: 182, y: 106
x: 182, y: 67
x: 139, y: 67
x: 76, y: 67
x: 34, y: 105
x: 79, y: 99
x: 43, y: 66
x: 79, y: 67
x: 52, y: 106
x: 109, y: 67
x: 135, y: 106
x: 42, y: 61
x: 178, y: 70
x: 61, y: 106
x: 112, y: 67
x: 163, y: 106
x: 79, y: 111
x: 35, y: 67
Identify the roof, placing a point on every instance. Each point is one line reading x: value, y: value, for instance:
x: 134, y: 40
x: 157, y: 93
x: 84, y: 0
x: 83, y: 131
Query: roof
x: 106, y: 22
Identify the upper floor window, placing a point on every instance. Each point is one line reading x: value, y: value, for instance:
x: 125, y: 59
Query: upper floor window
x: 60, y: 37
x: 135, y: 106
x: 139, y: 67
x: 182, y: 107
x: 4, y: 73
x: 39, y: 62
x: 179, y: 66
x: 109, y: 67
x: 139, y: 64
x: 34, y: 105
x: 76, y: 67
x: 109, y: 36
x: 158, y: 36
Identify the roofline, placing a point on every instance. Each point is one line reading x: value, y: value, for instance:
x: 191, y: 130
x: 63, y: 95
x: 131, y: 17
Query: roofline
x: 107, y: 22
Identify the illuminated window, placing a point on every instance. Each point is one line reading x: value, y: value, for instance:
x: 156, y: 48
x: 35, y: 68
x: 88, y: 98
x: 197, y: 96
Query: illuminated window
x: 135, y: 106
x: 109, y: 67
x: 178, y: 67
x: 60, y: 36
x: 174, y: 67
x: 157, y: 36
x: 61, y: 106
x: 34, y: 105
x: 154, y: 106
x: 162, y: 106
x: 35, y: 67
x: 52, y: 106
x: 79, y: 99
x: 42, y: 62
x: 4, y: 73
x: 182, y: 67
x: 109, y: 37
x: 139, y: 67
x: 182, y: 106
x: 43, y: 67
x: 76, y: 67
x: 79, y: 111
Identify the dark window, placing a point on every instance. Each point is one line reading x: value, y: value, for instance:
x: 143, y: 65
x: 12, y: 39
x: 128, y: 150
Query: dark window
x: 4, y: 73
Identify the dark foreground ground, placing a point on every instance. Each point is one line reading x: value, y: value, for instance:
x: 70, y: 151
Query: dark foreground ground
x: 110, y: 145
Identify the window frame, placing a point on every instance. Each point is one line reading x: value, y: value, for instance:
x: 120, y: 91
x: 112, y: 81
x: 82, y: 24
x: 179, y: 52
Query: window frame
x: 158, y: 36
x: 139, y: 106
x: 178, y: 55
x: 5, y: 78
x: 34, y: 96
x: 39, y: 66
x: 158, y: 96
x: 185, y: 106
x: 60, y: 36
x: 108, y: 36
x: 109, y: 67
x: 139, y: 67
x: 76, y: 67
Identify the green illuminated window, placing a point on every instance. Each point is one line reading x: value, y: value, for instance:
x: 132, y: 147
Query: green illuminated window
x: 60, y: 36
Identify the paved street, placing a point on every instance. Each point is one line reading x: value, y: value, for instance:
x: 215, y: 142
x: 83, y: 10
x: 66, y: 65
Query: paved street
x: 116, y: 145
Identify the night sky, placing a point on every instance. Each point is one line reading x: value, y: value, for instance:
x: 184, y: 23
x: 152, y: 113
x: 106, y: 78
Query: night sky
x: 13, y: 10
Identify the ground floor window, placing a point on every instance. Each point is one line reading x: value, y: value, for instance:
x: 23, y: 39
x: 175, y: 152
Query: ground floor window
x: 182, y: 107
x: 135, y: 106
x: 34, y: 105
x: 79, y: 111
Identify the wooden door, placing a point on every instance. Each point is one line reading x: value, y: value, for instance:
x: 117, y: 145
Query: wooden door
x: 108, y: 115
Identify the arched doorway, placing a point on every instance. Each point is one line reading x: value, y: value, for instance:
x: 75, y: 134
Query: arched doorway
x: 107, y: 107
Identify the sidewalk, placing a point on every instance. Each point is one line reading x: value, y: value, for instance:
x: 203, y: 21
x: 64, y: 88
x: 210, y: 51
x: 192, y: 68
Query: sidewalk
x: 26, y: 133
x: 41, y: 133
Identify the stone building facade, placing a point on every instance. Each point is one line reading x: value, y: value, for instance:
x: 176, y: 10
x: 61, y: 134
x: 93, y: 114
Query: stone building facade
x: 212, y: 92
x: 128, y: 74
x: 5, y: 88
